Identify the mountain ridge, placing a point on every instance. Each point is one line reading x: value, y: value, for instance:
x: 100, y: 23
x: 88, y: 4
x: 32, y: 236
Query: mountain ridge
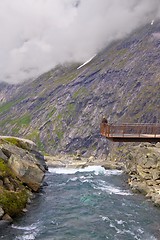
x: 61, y: 110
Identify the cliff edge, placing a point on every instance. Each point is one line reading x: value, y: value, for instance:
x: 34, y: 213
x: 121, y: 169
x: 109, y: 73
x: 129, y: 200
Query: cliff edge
x: 22, y: 169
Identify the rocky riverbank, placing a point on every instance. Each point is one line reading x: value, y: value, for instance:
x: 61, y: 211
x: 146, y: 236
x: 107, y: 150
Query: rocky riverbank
x: 78, y: 161
x: 144, y: 170
x: 22, y: 169
x: 142, y: 164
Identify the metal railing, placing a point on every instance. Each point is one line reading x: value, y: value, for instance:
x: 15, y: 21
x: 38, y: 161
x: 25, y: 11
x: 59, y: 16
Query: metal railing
x: 136, y: 130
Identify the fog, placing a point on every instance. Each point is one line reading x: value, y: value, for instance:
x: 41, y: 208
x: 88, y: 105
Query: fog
x: 38, y: 34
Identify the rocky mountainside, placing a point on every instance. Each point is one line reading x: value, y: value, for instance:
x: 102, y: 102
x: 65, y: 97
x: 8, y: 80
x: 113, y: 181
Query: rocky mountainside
x: 61, y: 110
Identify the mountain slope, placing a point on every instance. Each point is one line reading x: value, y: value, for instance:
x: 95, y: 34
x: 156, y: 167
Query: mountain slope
x: 62, y: 109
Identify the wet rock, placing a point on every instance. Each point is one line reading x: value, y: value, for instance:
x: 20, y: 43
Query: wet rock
x: 7, y: 218
x: 140, y: 187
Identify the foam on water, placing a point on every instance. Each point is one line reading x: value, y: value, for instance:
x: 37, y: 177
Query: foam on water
x: 85, y: 203
x: 30, y: 236
x: 119, y: 226
x: 111, y: 189
x: 29, y: 232
x: 27, y: 228
x: 97, y: 170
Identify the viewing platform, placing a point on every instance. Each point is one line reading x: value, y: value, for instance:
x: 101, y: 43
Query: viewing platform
x: 131, y: 132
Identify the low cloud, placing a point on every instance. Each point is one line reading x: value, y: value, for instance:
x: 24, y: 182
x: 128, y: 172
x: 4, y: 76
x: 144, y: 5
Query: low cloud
x: 37, y: 35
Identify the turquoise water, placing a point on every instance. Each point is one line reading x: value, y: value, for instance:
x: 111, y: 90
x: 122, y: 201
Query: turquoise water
x: 92, y: 203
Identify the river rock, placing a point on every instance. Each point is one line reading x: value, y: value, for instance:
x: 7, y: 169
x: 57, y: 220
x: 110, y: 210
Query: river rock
x: 1, y: 212
x: 7, y: 218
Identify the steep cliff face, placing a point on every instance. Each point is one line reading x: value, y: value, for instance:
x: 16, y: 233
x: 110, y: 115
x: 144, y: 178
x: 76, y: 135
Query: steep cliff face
x: 62, y: 109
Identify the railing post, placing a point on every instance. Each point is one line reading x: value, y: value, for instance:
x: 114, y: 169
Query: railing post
x: 148, y: 132
x: 108, y: 130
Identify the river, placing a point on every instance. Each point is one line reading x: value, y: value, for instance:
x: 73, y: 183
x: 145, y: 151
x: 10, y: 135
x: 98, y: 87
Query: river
x: 86, y: 204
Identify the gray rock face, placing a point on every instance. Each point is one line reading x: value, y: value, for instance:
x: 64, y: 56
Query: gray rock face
x: 27, y: 170
x: 3, y: 156
x: 27, y: 164
x: 146, y: 175
x: 22, y: 170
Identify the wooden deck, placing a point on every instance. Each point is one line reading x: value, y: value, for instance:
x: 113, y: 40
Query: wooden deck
x: 131, y: 132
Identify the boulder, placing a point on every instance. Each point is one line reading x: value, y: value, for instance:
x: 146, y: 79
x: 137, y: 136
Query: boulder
x: 151, y: 163
x: 20, y: 142
x: 155, y: 174
x: 140, y: 187
x: 144, y: 173
x: 28, y: 166
x: 27, y: 169
x: 7, y: 218
x: 1, y: 213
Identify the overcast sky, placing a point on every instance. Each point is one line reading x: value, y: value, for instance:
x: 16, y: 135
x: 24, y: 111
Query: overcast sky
x: 38, y: 34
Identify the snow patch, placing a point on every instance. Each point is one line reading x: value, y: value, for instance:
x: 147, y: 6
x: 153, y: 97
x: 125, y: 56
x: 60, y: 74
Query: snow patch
x: 86, y: 62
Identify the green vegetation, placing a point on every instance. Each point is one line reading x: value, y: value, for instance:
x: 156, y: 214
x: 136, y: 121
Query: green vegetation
x: 5, y: 107
x: 35, y: 137
x: 122, y: 52
x: 12, y: 140
x: 64, y: 80
x: 80, y: 92
x: 4, y: 169
x: 59, y: 117
x: 24, y: 120
x: 59, y: 134
x: 13, y: 202
x: 71, y: 107
x: 52, y: 112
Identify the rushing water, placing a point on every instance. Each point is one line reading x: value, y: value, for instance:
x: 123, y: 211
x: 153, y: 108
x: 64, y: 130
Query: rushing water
x: 89, y: 204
